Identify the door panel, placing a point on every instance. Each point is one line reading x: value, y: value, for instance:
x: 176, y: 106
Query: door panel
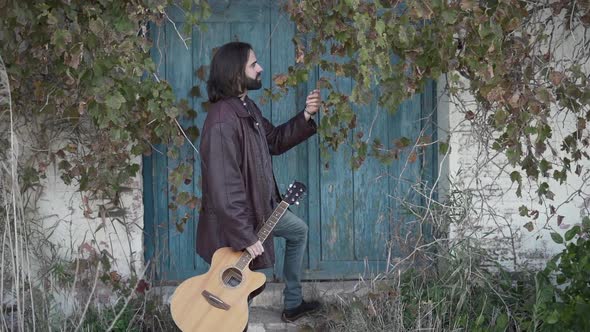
x: 352, y: 214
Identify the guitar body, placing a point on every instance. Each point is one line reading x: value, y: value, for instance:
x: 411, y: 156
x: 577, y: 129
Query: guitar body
x: 218, y: 299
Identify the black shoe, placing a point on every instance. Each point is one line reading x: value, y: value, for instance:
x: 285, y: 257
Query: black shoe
x: 291, y: 315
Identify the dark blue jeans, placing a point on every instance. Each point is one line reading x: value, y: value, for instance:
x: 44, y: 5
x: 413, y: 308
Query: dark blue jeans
x: 294, y: 231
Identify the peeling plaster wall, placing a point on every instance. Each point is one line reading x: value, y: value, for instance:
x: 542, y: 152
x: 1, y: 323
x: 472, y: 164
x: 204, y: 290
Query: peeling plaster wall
x: 474, y: 167
x: 75, y: 233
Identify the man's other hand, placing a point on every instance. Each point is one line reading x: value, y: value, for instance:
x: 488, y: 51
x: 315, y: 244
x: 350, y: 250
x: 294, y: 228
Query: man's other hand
x: 256, y: 249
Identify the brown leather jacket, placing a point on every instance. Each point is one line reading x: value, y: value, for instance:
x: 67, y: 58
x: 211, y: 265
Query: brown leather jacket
x: 235, y: 186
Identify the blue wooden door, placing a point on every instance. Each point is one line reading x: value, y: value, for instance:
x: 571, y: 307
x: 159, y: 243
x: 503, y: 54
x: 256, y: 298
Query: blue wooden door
x: 356, y: 219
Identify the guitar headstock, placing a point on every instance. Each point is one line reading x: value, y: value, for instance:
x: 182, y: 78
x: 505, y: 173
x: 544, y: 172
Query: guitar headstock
x: 294, y: 193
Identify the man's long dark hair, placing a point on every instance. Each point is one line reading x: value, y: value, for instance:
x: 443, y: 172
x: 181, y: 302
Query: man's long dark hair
x: 227, y: 73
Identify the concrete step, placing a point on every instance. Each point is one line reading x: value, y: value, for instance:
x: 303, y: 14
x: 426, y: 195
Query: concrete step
x: 272, y: 296
x: 264, y: 319
x: 266, y: 308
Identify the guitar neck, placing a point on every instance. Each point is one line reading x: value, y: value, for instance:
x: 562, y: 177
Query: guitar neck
x: 272, y: 221
x: 264, y: 232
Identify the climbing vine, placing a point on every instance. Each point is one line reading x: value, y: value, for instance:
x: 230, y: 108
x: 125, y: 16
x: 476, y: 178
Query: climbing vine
x: 82, y: 77
x: 85, y: 90
x: 508, y: 54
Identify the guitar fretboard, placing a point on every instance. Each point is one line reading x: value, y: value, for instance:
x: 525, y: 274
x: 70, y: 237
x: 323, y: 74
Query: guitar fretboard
x: 264, y: 232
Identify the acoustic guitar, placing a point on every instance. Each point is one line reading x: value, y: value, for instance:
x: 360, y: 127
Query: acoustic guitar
x: 218, y: 299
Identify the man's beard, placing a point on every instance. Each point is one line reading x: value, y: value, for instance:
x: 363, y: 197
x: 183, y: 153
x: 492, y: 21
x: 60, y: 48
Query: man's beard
x: 253, y: 83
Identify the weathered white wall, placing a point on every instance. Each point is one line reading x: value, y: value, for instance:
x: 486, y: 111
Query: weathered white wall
x: 474, y: 167
x: 477, y: 169
x: 74, y: 234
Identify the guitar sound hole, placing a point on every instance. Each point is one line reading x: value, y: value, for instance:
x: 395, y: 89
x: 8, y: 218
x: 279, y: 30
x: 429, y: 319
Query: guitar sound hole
x: 232, y: 277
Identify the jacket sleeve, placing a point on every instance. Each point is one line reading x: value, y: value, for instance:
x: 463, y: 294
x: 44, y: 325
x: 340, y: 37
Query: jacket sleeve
x: 221, y: 157
x: 282, y: 138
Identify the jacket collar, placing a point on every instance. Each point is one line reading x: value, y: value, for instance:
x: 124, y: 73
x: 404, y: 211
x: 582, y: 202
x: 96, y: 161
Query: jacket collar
x: 239, y: 107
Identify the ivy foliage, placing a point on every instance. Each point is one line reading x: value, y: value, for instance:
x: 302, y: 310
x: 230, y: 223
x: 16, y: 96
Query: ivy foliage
x: 505, y: 49
x: 81, y: 74
x: 83, y: 80
x: 565, y: 307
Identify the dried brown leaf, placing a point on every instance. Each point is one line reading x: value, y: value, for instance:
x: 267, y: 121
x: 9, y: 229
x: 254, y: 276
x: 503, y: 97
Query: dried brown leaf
x: 560, y: 220
x: 280, y: 79
x: 202, y: 73
x: 556, y: 77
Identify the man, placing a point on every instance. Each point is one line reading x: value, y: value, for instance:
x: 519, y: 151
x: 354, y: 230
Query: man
x: 238, y: 185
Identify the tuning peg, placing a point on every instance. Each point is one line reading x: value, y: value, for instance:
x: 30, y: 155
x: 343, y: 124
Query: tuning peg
x: 291, y: 185
x: 296, y: 203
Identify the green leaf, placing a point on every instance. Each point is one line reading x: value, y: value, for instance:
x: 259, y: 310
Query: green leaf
x: 480, y: 320
x: 195, y: 91
x: 523, y: 211
x: 513, y: 155
x: 500, y: 117
x: 60, y: 39
x: 96, y: 26
x: 560, y: 176
x: 572, y: 232
x: 543, y: 189
x: 173, y: 153
x: 133, y: 169
x: 51, y: 19
x: 403, y: 142
x: 403, y: 35
x: 560, y: 279
x: 502, y: 322
x: 556, y: 237
x: 123, y: 24
x: 115, y: 100
x: 172, y: 112
x: 380, y: 27
x: 193, y: 133
x: 544, y: 166
x: 139, y: 149
x: 443, y: 147
x: 553, y: 317
x: 515, y: 177
x: 183, y: 197
x: 449, y: 16
x: 552, y: 264
x: 544, y: 95
x: 483, y: 31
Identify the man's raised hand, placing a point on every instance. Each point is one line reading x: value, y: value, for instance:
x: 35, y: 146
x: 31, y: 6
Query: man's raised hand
x: 312, y: 103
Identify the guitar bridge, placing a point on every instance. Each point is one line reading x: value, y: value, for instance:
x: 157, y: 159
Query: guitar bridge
x: 215, y: 301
